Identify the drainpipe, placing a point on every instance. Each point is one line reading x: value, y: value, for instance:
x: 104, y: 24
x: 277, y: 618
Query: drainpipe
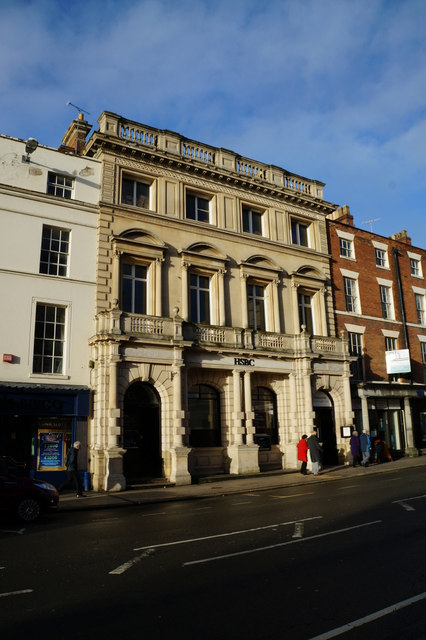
x: 401, y: 302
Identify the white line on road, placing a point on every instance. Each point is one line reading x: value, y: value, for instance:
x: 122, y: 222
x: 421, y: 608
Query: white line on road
x: 15, y: 593
x: 127, y: 565
x: 404, y: 501
x: 223, y: 535
x: 280, y: 544
x: 373, y: 616
x: 18, y: 531
x: 348, y: 486
x: 293, y: 495
x: 406, y: 506
x: 243, y: 502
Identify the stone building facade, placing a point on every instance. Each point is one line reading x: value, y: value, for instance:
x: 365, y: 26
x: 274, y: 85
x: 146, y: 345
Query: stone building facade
x: 215, y: 345
x: 379, y: 291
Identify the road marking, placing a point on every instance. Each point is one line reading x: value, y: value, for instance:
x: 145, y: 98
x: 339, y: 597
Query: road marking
x: 128, y: 565
x: 15, y: 593
x: 293, y: 495
x: 348, y: 486
x: 404, y: 501
x: 299, y: 528
x: 252, y: 495
x: 373, y: 616
x: 20, y: 532
x: 279, y: 544
x: 224, y: 535
x: 406, y: 506
x: 244, y: 502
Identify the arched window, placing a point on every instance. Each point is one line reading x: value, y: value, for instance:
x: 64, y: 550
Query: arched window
x: 265, y: 413
x: 204, y: 416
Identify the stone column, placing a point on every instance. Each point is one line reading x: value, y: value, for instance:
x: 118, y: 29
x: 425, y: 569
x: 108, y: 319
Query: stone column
x: 115, y: 288
x: 114, y: 478
x: 158, y: 305
x: 275, y: 306
x: 244, y: 457
x: 410, y: 449
x: 244, y: 310
x: 220, y: 279
x: 179, y: 451
x: 249, y: 414
x: 184, y: 273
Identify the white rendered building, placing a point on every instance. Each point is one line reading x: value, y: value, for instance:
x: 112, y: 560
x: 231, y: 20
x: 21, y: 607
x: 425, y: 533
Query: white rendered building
x: 48, y: 238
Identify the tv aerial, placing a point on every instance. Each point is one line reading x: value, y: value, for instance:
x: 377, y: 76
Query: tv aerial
x: 79, y: 109
x: 370, y: 222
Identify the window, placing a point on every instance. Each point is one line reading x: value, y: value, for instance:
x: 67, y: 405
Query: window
x: 420, y: 308
x: 416, y: 267
x: 386, y: 301
x: 423, y: 349
x: 49, y: 339
x: 256, y: 307
x: 390, y: 344
x: 58, y: 185
x: 135, y: 193
x: 199, y: 298
x: 356, y: 349
x: 54, y: 251
x: 299, y: 233
x: 204, y: 416
x: 351, y: 295
x: 346, y: 248
x: 197, y: 208
x: 381, y: 257
x: 252, y: 221
x: 134, y: 288
x: 265, y: 421
x: 305, y: 312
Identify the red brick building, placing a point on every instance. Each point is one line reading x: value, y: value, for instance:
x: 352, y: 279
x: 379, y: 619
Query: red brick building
x: 379, y: 290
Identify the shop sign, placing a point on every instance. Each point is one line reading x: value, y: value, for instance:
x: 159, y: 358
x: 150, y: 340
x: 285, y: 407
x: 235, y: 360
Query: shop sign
x: 398, y: 361
x: 51, y: 445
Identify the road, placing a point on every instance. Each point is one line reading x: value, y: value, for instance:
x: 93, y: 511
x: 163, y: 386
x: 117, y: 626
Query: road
x: 295, y: 563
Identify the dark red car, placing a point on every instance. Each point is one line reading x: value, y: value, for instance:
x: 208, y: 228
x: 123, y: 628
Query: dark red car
x: 26, y: 498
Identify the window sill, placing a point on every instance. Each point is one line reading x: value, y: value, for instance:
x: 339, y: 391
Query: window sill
x: 48, y: 376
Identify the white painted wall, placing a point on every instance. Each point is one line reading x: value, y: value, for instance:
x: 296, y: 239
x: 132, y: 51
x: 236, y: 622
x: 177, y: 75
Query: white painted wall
x: 24, y: 208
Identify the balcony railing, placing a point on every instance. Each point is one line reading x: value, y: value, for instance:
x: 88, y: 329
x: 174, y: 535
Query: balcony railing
x: 173, y: 144
x: 175, y: 329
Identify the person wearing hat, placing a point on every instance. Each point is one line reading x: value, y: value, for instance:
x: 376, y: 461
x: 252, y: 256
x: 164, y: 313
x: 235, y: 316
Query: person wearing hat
x: 71, y: 463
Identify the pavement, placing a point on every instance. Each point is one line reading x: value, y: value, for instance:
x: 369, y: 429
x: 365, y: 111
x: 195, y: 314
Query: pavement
x: 159, y: 492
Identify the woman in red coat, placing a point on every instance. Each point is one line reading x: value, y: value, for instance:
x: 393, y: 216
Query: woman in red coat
x: 302, y: 454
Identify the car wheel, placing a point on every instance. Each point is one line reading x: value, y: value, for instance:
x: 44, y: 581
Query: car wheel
x: 28, y: 509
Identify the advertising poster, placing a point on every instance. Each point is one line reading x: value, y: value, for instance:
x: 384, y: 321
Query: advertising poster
x: 50, y: 450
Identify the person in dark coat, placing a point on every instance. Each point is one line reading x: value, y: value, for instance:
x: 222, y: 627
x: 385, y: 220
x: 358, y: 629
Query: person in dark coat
x: 355, y: 448
x: 365, y: 445
x: 302, y: 454
x: 315, y: 451
x: 71, y: 462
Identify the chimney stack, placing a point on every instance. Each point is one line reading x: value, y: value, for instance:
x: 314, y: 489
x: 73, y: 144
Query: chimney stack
x: 75, y: 136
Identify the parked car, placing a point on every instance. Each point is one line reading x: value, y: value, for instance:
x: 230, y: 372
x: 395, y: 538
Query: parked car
x: 26, y: 498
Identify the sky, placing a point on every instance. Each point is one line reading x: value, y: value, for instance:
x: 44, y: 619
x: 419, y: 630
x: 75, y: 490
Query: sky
x: 333, y: 90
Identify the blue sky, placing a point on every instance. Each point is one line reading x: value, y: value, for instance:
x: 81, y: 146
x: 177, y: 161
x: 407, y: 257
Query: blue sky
x: 334, y: 90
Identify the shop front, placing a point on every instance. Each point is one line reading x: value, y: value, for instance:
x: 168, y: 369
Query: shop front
x: 38, y: 425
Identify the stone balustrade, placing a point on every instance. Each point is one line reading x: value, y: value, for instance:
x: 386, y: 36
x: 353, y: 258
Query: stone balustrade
x: 174, y: 144
x: 172, y: 329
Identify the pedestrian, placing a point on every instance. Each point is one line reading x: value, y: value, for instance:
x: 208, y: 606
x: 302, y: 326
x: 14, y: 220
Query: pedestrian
x: 355, y: 448
x: 315, y: 451
x: 71, y: 462
x: 365, y: 445
x: 302, y: 454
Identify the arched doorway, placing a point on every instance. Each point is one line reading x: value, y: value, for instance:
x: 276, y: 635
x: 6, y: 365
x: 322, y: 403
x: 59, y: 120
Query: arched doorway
x: 141, y: 433
x: 325, y: 425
